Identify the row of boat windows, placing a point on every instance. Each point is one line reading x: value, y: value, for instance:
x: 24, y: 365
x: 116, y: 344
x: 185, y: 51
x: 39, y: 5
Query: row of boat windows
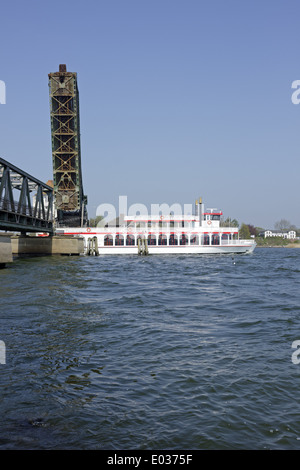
x: 164, y: 240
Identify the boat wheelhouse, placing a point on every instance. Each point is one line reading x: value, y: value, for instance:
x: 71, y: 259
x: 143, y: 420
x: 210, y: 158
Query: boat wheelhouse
x: 200, y: 233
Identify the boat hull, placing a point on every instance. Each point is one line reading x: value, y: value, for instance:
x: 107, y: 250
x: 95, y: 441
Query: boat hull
x: 177, y: 250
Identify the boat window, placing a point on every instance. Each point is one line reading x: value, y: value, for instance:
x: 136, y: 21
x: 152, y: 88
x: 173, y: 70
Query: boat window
x: 108, y: 240
x: 130, y: 240
x: 173, y: 239
x: 119, y: 240
x: 205, y: 239
x: 194, y: 240
x: 162, y: 239
x: 215, y: 239
x: 184, y: 239
x: 151, y: 240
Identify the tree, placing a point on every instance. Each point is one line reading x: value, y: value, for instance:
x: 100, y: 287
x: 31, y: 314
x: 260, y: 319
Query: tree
x: 94, y: 222
x: 282, y: 225
x: 253, y: 230
x: 244, y: 231
x: 228, y: 222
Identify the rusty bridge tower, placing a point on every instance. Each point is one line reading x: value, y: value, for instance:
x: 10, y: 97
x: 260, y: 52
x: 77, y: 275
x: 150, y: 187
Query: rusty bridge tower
x: 69, y: 199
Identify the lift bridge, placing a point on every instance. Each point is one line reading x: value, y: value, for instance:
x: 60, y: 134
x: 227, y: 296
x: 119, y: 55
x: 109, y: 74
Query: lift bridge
x: 70, y: 201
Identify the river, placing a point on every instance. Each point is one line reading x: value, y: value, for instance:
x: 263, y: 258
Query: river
x: 155, y: 352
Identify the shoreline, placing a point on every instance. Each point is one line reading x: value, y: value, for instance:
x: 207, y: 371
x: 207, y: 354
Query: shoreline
x: 290, y: 245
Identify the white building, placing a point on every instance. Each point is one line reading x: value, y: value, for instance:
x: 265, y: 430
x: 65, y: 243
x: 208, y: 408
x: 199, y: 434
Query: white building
x: 291, y: 234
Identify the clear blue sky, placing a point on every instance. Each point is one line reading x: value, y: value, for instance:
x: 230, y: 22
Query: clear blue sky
x: 178, y: 99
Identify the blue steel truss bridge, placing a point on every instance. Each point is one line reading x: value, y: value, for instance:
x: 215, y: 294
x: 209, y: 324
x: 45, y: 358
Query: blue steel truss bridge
x: 26, y: 204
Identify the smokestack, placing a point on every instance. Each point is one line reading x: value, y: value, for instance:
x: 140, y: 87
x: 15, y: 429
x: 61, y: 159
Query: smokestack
x: 200, y: 211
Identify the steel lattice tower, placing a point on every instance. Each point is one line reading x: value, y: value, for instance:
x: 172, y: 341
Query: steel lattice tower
x: 70, y: 202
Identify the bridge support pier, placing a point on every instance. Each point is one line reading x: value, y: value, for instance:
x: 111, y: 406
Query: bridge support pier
x: 56, y: 245
x: 5, y: 250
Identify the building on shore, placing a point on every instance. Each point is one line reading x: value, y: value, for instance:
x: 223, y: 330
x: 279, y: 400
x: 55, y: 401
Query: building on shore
x: 290, y: 234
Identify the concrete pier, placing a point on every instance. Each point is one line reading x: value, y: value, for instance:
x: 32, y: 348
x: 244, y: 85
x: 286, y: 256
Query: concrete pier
x: 56, y: 245
x: 5, y: 250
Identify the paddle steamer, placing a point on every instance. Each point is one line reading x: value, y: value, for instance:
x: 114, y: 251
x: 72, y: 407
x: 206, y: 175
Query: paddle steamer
x: 200, y: 233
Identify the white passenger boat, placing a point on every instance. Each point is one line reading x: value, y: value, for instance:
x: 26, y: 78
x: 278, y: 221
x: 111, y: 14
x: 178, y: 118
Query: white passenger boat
x: 170, y: 234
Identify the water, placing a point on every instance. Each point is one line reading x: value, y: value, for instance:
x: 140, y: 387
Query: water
x: 157, y: 352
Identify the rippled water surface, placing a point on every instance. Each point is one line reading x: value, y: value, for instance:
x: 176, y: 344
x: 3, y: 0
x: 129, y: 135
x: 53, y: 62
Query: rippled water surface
x: 157, y: 352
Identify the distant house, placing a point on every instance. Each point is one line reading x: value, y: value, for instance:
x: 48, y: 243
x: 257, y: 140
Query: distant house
x: 291, y: 234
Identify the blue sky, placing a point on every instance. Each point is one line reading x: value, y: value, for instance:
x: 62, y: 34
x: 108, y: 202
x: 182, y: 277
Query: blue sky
x: 178, y: 99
